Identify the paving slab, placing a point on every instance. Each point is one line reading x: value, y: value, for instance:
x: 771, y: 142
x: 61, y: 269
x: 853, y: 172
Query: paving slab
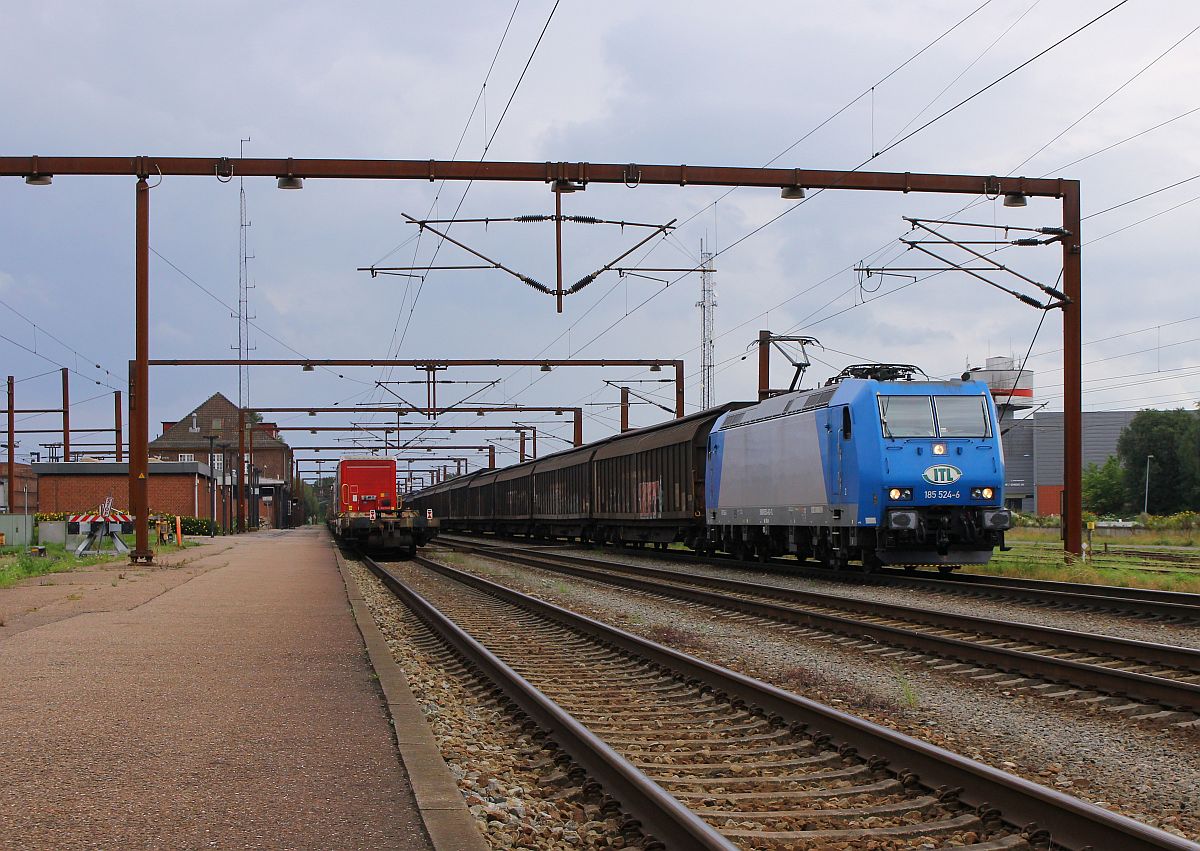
x: 234, y: 709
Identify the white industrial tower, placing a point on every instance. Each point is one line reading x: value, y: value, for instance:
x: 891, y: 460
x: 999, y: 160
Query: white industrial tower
x: 707, y: 304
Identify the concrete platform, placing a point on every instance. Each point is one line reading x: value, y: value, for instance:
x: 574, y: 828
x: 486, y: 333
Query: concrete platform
x: 225, y: 703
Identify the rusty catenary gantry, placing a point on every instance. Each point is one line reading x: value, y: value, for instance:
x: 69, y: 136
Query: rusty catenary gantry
x: 36, y: 169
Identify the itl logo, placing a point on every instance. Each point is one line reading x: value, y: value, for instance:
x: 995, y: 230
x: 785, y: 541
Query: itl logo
x: 942, y: 474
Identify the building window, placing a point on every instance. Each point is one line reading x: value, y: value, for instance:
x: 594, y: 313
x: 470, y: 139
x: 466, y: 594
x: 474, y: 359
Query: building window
x: 187, y: 456
x: 217, y: 424
x: 218, y: 463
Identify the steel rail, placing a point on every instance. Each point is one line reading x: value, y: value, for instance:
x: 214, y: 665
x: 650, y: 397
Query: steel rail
x: 1134, y: 601
x: 1026, y: 806
x: 1175, y: 600
x: 1132, y: 684
x: 661, y: 814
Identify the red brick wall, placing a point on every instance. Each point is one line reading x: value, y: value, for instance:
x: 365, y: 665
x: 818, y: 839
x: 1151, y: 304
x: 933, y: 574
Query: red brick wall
x: 275, y: 463
x: 169, y: 493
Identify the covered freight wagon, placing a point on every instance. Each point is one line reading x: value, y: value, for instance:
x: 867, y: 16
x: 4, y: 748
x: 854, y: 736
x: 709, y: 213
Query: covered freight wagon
x: 369, y: 511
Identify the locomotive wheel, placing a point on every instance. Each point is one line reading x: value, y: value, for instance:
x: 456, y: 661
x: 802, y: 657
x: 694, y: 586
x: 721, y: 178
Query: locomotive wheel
x: 764, y: 553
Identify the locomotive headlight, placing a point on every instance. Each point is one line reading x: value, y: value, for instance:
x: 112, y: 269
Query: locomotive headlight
x: 988, y: 493
x: 939, y: 449
x: 894, y: 493
x: 982, y: 493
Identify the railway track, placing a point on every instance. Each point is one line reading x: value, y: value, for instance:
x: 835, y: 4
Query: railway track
x: 1143, y: 680
x: 1130, y: 602
x: 704, y: 758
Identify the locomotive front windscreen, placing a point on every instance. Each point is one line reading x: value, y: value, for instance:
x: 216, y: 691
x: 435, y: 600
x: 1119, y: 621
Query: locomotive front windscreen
x: 936, y: 416
x: 906, y: 416
x: 962, y: 416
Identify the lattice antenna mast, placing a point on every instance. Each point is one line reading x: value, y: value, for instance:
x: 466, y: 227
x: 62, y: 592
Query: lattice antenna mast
x: 707, y: 305
x: 244, y: 286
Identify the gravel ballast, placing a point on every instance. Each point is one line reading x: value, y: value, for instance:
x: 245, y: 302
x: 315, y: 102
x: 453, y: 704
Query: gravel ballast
x: 1148, y: 774
x: 1104, y: 623
x: 521, y: 796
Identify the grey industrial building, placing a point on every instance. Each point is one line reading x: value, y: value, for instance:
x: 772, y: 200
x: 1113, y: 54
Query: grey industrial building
x: 1033, y: 455
x: 1033, y: 443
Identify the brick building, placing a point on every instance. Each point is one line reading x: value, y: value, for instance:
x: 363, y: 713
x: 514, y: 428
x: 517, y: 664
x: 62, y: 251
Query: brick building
x: 269, y: 464
x: 25, y: 492
x: 77, y: 487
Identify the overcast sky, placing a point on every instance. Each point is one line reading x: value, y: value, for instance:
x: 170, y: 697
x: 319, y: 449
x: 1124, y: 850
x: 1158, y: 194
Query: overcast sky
x: 670, y: 82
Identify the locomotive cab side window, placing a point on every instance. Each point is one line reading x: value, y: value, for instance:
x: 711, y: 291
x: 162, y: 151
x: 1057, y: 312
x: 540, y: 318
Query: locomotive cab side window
x: 907, y: 416
x: 847, y: 426
x: 962, y: 416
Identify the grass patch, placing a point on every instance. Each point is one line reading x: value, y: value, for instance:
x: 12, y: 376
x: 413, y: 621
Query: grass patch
x: 1016, y: 565
x: 16, y: 565
x: 1139, y: 537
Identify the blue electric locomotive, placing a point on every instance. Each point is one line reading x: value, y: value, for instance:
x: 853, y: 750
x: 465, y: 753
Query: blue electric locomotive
x: 896, y: 472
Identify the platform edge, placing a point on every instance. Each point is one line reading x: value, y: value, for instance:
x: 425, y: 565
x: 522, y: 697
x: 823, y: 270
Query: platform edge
x: 448, y: 822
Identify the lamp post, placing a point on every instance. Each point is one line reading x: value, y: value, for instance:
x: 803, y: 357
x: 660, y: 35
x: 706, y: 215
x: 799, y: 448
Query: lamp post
x: 212, y: 487
x: 224, y: 447
x: 1146, y: 499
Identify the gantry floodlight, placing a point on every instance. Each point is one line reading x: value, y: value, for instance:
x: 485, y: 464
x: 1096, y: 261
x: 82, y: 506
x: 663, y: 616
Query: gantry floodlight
x: 792, y: 193
x: 1015, y: 199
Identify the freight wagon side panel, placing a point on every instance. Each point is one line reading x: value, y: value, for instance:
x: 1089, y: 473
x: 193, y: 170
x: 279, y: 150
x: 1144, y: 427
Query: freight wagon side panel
x: 366, y: 485
x: 655, y: 475
x: 562, y: 487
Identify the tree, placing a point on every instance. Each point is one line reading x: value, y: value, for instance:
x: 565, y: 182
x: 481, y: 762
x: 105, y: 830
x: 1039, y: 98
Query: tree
x: 1172, y: 438
x: 1104, y: 487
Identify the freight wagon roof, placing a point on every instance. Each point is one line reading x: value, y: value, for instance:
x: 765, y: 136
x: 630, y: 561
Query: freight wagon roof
x: 484, y: 478
x: 566, y: 458
x: 366, y: 461
x: 663, y: 434
x: 516, y: 471
x: 650, y: 437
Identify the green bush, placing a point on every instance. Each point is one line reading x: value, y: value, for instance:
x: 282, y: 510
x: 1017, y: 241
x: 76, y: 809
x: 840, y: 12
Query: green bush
x: 191, y: 525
